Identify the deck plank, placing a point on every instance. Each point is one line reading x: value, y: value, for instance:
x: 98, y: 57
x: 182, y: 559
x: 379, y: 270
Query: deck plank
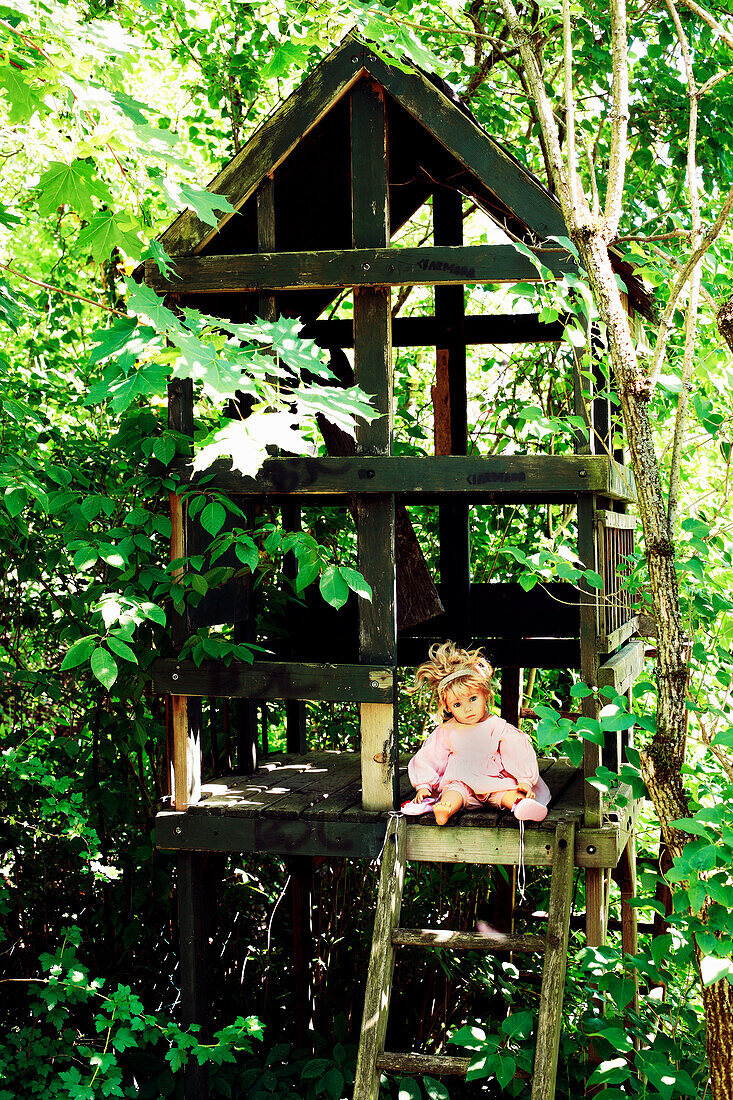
x: 274, y: 786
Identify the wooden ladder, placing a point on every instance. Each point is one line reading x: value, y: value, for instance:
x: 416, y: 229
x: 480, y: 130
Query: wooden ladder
x: 373, y: 1059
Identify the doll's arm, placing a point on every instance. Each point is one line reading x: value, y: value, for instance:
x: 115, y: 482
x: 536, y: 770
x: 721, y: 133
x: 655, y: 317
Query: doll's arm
x: 519, y: 759
x: 428, y: 763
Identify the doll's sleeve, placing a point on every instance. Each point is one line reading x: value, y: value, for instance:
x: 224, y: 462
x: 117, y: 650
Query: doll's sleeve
x: 428, y: 763
x: 517, y: 756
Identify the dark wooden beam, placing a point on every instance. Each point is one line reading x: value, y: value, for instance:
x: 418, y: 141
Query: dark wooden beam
x: 472, y: 477
x: 193, y: 938
x: 360, y: 266
x: 450, y: 418
x: 427, y: 332
x: 373, y: 373
x: 275, y: 680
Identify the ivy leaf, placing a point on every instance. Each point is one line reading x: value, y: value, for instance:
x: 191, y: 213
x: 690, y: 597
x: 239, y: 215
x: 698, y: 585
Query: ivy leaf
x: 408, y: 1089
x: 106, y: 231
x: 71, y: 185
x: 80, y: 652
x: 334, y: 588
x: 104, y: 667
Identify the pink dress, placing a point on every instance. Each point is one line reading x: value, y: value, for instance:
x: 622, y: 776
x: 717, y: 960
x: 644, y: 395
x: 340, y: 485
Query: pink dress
x: 479, y: 761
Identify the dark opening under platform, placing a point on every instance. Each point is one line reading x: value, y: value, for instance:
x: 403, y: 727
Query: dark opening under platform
x: 311, y: 805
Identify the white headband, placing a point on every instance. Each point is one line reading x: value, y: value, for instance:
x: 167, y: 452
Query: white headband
x: 468, y: 670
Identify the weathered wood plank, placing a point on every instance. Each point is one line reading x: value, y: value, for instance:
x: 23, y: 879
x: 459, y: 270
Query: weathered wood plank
x: 375, y: 520
x: 623, y: 669
x: 451, y: 424
x: 465, y: 941
x: 473, y: 476
x: 426, y: 332
x: 275, y: 680
x: 360, y: 836
x: 592, y: 756
x: 438, y: 1065
x: 381, y: 962
x: 357, y: 267
x: 553, y: 972
x: 270, y: 145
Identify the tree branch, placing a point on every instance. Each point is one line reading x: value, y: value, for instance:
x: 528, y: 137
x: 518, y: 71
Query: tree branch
x: 59, y: 290
x: 619, y: 116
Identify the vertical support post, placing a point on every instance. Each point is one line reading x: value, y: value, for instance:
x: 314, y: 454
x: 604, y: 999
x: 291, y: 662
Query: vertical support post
x: 450, y: 420
x: 296, y: 729
x: 378, y: 990
x: 192, y: 921
x: 246, y: 710
x: 595, y: 923
x: 300, y: 868
x: 185, y: 713
x: 504, y: 885
x: 373, y: 372
x: 549, y: 1018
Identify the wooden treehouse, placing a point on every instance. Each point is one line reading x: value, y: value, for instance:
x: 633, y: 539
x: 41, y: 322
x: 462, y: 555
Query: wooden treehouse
x: 320, y: 190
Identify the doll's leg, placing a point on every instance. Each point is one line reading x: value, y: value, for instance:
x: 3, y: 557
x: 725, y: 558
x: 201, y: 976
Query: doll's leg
x: 451, y: 801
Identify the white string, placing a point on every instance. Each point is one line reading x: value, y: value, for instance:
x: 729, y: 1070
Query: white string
x: 396, y: 814
x: 274, y: 910
x: 521, y: 870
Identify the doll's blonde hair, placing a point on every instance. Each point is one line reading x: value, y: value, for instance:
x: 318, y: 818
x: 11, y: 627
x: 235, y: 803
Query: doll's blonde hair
x: 450, y: 667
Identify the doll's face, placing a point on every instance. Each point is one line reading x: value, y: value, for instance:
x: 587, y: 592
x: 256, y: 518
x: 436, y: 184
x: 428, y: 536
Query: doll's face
x: 467, y: 705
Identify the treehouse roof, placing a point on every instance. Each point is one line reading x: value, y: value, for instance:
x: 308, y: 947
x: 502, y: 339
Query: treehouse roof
x: 433, y: 142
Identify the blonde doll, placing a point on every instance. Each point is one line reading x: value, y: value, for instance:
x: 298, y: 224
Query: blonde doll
x: 472, y: 758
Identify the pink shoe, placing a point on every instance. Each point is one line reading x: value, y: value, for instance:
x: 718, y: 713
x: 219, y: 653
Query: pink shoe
x: 529, y: 809
x: 415, y: 809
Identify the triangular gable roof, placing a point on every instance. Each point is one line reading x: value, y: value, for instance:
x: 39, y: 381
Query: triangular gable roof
x: 321, y: 89
x: 506, y: 190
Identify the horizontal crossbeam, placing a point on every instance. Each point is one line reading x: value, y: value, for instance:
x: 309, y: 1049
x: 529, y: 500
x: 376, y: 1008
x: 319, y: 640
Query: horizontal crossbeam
x: 440, y: 1065
x: 419, y: 476
x: 274, y: 680
x: 428, y: 332
x: 426, y: 266
x: 465, y: 941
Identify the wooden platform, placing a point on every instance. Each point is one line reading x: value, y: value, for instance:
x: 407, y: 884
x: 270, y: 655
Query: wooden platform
x: 311, y: 805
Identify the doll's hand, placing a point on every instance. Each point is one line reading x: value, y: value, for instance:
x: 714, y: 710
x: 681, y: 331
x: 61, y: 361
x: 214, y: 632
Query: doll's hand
x: 525, y: 788
x: 424, y: 792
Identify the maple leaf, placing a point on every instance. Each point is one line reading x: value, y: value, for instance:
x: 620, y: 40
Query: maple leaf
x: 246, y: 441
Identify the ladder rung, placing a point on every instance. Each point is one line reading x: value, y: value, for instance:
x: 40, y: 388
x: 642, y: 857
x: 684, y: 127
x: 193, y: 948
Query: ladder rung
x: 439, y: 1064
x: 465, y: 941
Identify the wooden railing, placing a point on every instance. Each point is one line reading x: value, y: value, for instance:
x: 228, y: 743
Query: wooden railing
x: 614, y: 547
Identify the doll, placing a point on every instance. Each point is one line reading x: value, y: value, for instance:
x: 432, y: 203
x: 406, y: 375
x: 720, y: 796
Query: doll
x: 472, y: 758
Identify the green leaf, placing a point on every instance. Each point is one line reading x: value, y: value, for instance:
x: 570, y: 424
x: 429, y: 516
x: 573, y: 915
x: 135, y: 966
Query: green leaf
x: 14, y: 306
x: 714, y: 969
x: 333, y: 1083
x: 408, y: 1089
x: 166, y: 266
x: 574, y: 751
x: 505, y: 1070
x: 107, y: 231
x: 80, y: 652
x: 356, y: 582
x: 436, y: 1090
x: 146, y: 303
x: 334, y: 588
x: 15, y: 500
x: 121, y: 649
x: 315, y: 1068
x: 104, y: 667
x: 71, y: 185
x: 518, y: 1025
x: 213, y: 517
x: 595, y: 580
